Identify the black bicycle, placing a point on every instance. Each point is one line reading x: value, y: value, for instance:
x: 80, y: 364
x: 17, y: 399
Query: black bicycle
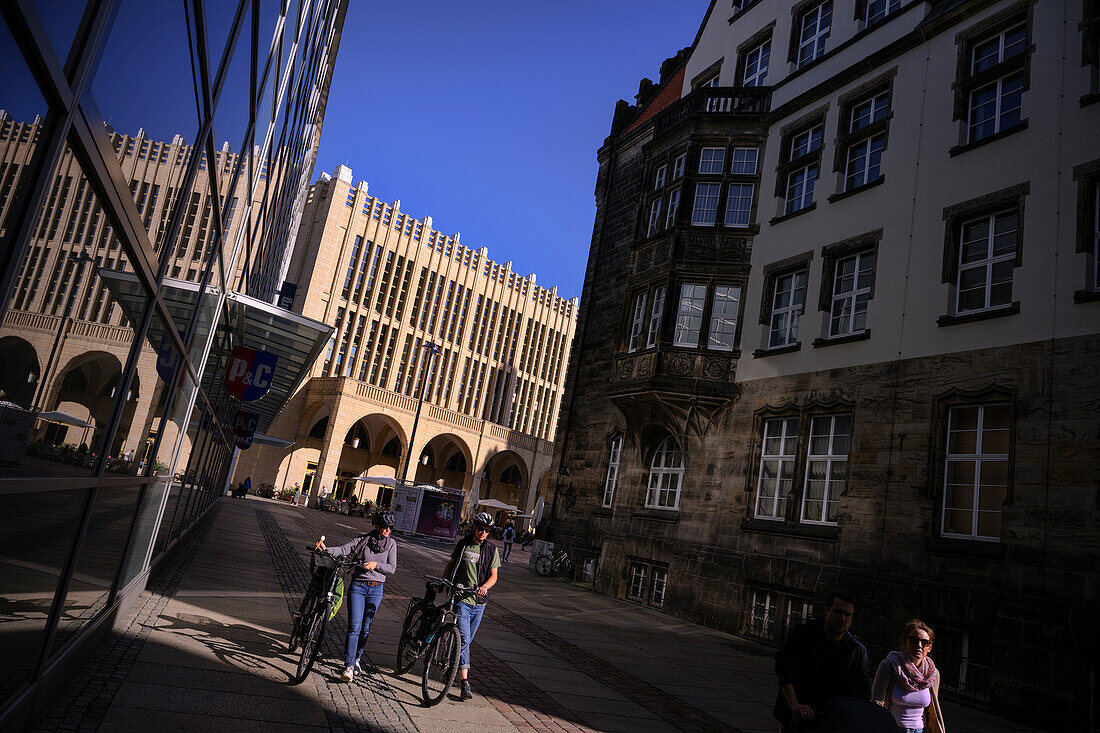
x: 556, y: 562
x: 319, y: 604
x: 431, y: 631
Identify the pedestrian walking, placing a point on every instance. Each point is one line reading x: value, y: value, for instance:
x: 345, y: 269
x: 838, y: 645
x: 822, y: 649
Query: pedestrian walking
x: 376, y: 553
x: 907, y: 682
x: 508, y: 538
x: 820, y: 660
x: 297, y: 495
x: 474, y: 562
x: 322, y: 497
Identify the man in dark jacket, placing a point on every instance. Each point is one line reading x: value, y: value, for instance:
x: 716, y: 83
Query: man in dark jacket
x: 473, y: 564
x: 820, y: 660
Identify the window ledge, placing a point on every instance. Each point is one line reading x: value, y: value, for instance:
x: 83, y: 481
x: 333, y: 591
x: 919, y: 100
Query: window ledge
x: 952, y: 320
x: 957, y: 547
x: 858, y: 189
x: 1086, y: 296
x: 658, y: 515
x: 793, y: 214
x: 603, y: 511
x: 789, y: 348
x: 750, y: 229
x: 833, y: 341
x: 1090, y: 99
x: 960, y: 149
x: 825, y: 533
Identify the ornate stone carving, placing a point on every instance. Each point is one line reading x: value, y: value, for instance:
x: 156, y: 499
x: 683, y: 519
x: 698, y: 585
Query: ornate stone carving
x: 681, y: 365
x: 716, y: 368
x: 645, y: 365
x: 626, y: 367
x: 645, y: 259
x: 732, y: 248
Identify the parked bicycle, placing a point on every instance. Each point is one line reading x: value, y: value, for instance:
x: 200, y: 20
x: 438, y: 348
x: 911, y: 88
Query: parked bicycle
x: 431, y: 631
x: 320, y: 604
x: 556, y: 561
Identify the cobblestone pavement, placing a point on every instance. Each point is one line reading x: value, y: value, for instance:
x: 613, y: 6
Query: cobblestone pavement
x: 205, y: 648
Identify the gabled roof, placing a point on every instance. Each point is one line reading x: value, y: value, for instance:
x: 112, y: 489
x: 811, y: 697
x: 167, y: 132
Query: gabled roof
x: 668, y: 94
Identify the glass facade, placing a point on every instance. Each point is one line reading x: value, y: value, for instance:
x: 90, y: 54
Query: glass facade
x: 154, y: 162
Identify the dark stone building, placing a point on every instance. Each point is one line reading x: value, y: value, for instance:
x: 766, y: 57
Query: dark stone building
x: 735, y: 442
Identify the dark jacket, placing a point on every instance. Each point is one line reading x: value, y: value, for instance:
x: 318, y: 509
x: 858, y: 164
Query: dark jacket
x: 820, y: 669
x: 484, y: 563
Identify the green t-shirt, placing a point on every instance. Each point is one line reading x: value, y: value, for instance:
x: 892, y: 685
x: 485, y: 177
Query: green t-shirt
x: 467, y: 570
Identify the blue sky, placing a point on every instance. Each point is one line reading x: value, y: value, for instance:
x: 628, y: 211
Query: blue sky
x: 487, y: 115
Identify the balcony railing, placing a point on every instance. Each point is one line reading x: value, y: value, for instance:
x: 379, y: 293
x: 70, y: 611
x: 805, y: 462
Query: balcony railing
x: 718, y: 101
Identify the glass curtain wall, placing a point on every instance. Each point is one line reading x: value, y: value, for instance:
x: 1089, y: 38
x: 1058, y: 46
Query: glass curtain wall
x: 153, y: 158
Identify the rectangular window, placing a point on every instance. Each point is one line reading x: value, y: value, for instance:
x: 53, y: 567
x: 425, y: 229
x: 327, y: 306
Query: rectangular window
x: 659, y: 179
x: 712, y: 160
x: 739, y: 204
x: 987, y: 254
x: 864, y: 164
x: 756, y: 65
x: 877, y: 10
x: 813, y: 30
x: 826, y: 468
x: 654, y: 218
x: 723, y: 317
x: 655, y: 317
x: 800, y: 188
x: 612, y: 471
x: 761, y: 614
x: 788, y: 299
x: 776, y: 477
x: 976, y: 471
x: 638, y: 575
x: 806, y: 141
x: 637, y: 322
x: 744, y: 161
x: 660, y: 582
x: 689, y: 314
x: 851, y: 292
x: 705, y: 209
x: 995, y: 104
x: 673, y: 209
x: 678, y: 166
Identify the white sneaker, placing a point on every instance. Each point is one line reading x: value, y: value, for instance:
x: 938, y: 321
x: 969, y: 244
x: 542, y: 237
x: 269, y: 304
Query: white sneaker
x: 358, y: 667
x: 347, y: 675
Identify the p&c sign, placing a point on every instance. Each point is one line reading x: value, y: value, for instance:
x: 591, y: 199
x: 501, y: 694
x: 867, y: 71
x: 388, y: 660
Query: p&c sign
x: 248, y: 375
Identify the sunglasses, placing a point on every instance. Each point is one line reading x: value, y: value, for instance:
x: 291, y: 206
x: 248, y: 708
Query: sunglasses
x: 917, y: 641
x: 482, y: 529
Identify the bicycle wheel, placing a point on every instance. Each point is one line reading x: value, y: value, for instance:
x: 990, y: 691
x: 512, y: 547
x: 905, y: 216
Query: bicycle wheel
x: 305, y: 611
x: 311, y: 642
x: 408, y: 647
x: 441, y: 664
x: 543, y: 565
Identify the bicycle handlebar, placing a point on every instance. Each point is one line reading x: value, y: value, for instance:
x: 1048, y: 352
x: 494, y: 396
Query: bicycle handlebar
x: 449, y: 584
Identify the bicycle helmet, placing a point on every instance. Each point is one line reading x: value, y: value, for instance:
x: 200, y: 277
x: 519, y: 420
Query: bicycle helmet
x: 384, y: 519
x: 483, y: 519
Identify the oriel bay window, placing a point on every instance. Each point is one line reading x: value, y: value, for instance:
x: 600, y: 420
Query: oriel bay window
x: 654, y: 217
x: 673, y: 209
x: 637, y: 322
x: 992, y: 79
x: 705, y: 209
x: 689, y: 314
x: 655, y: 317
x: 723, y: 317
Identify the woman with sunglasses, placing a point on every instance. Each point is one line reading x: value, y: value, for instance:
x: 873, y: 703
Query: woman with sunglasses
x: 907, y: 682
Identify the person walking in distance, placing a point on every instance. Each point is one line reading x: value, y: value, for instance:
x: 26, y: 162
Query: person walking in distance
x: 377, y: 554
x: 509, y: 538
x: 473, y: 563
x: 820, y: 660
x: 907, y: 682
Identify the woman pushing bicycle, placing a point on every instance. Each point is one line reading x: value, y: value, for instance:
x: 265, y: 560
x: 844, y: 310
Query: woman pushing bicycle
x: 376, y: 555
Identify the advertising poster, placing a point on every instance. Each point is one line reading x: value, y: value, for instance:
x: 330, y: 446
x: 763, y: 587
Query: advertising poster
x: 405, y: 504
x: 439, y: 515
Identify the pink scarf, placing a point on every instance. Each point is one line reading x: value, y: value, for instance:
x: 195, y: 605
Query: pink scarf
x: 909, y: 676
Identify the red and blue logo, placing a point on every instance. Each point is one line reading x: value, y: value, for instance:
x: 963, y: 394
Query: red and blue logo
x: 249, y: 372
x: 244, y: 427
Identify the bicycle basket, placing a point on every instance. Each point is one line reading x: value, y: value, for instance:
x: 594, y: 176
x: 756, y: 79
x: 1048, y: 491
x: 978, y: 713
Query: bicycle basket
x: 338, y: 598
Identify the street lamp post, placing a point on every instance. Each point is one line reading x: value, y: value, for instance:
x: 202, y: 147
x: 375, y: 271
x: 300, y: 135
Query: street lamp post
x: 433, y: 350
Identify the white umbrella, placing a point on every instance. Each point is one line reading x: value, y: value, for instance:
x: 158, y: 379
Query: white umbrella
x: 496, y: 504
x: 64, y: 418
x: 384, y: 480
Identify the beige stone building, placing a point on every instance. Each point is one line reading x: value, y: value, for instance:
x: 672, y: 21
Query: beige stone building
x: 394, y: 289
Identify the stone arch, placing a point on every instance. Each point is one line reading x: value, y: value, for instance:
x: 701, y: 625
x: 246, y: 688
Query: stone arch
x: 370, y: 457
x: 450, y: 461
x: 499, y: 475
x: 20, y: 370
x: 85, y: 387
x: 316, y: 416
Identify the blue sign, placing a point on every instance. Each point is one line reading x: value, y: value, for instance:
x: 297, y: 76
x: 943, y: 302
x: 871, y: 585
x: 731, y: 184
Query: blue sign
x: 167, y: 359
x: 286, y: 295
x: 249, y: 372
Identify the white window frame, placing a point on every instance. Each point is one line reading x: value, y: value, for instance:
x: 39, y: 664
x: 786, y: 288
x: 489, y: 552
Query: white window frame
x: 637, y: 322
x: 666, y: 476
x: 876, y: 107
x: 654, y: 217
x: 658, y: 586
x: 988, y: 263
x: 613, y: 462
x: 659, y: 178
x: 673, y: 208
x: 814, y: 26
x: 762, y: 614
x: 864, y: 161
x: 878, y: 10
x: 739, y: 198
x: 1002, y: 47
x: 712, y: 161
x: 639, y: 575
x: 655, y: 316
x: 784, y: 318
x: 800, y: 188
x: 705, y: 205
x: 749, y: 159
x: 756, y: 64
x: 1002, y: 116
x: 851, y: 293
x: 832, y: 458
x: 689, y: 314
x: 777, y: 453
x: 679, y: 164
x: 979, y: 458
x: 723, y: 317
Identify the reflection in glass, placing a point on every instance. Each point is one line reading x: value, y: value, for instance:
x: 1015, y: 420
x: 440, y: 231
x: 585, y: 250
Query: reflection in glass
x: 33, y: 552
x: 144, y: 527
x: 61, y: 19
x: 22, y: 109
x: 98, y: 560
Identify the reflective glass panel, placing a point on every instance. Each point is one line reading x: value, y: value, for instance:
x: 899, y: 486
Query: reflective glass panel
x: 20, y: 123
x: 144, y: 528
x: 61, y: 19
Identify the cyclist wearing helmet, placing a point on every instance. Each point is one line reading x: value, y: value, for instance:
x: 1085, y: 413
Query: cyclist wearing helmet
x: 377, y: 554
x: 473, y: 563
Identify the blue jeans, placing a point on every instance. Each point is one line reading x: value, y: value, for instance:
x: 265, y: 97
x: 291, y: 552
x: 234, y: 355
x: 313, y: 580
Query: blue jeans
x: 469, y: 618
x: 507, y: 551
x: 363, y: 602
